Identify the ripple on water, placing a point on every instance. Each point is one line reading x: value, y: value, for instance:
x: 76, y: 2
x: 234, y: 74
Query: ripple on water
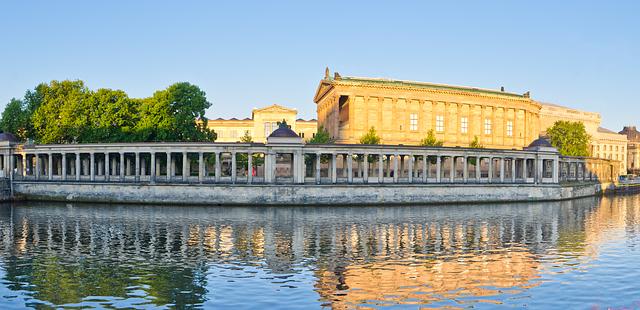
x: 538, y: 255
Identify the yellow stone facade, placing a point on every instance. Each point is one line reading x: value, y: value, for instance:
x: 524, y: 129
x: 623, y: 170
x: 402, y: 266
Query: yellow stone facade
x: 403, y: 112
x: 263, y: 121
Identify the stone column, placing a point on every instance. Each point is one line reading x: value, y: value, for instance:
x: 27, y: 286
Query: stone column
x: 249, y: 167
x: 24, y: 165
x: 502, y: 170
x: 50, y: 166
x: 37, y: 170
x: 395, y: 168
x: 122, y: 175
x: 556, y: 170
x: 513, y: 170
x: 388, y: 174
x: 218, y: 171
x: 452, y: 169
x: 173, y: 167
x: 438, y: 169
x: 200, y: 167
x: 137, y: 168
x: 465, y: 169
x: 78, y: 170
x: 524, y: 169
x: 64, y: 166
x: 152, y: 167
x: 233, y: 168
x: 127, y: 162
x: 334, y: 169
x: 318, y: 163
x: 185, y: 167
x: 478, y: 171
x: 365, y: 168
x: 350, y: 168
x: 410, y: 169
x: 425, y: 168
x: 401, y: 171
x: 539, y: 170
x: 170, y: 166
x: 380, y: 168
x: 92, y: 168
x: 345, y: 172
x: 107, y: 169
x: 490, y: 169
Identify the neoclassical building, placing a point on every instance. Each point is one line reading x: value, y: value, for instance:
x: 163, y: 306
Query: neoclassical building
x: 262, y: 123
x: 633, y: 148
x: 403, y: 112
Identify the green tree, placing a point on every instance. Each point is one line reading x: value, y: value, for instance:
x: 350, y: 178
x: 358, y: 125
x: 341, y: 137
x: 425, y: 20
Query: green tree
x: 570, y: 138
x: 15, y: 119
x: 170, y: 115
x: 475, y: 144
x: 246, y: 138
x: 371, y: 137
x: 112, y: 117
x: 430, y: 140
x: 63, y: 112
x: 321, y: 137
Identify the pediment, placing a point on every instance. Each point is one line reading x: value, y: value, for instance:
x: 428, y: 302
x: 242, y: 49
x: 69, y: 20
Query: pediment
x: 275, y: 108
x: 323, y: 88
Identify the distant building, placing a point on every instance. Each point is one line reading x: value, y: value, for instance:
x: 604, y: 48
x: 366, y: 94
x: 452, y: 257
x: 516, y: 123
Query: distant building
x: 262, y: 123
x: 633, y: 148
x: 403, y: 112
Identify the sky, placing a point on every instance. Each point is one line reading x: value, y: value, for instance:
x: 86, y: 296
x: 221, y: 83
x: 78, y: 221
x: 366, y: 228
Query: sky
x: 244, y: 55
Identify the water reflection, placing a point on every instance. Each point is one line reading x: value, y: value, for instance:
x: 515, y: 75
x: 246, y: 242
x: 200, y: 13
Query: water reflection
x: 150, y: 256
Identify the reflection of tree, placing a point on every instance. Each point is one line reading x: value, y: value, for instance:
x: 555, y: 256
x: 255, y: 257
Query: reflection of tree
x: 55, y: 280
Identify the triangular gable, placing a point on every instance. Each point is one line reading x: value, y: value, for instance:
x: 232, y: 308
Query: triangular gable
x: 273, y: 108
x: 323, y: 88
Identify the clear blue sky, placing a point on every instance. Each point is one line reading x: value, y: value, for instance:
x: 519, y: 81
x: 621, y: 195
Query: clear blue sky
x: 250, y: 54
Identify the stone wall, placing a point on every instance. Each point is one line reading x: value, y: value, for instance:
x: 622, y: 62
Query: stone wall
x: 300, y: 194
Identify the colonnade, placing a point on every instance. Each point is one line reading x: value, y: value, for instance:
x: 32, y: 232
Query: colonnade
x: 241, y: 163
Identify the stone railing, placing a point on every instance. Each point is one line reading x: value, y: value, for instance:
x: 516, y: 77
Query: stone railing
x: 239, y: 163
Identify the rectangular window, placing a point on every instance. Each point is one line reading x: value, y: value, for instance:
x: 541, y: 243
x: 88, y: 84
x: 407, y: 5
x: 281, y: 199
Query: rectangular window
x: 413, y: 121
x: 487, y: 126
x: 267, y: 129
x: 464, y: 125
x: 439, y: 123
x: 509, y: 128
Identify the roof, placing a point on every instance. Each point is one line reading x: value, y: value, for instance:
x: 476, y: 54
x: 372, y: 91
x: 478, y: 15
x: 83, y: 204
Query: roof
x: 5, y: 136
x: 631, y: 132
x: 283, y: 131
x: 541, y: 142
x: 605, y: 130
x: 405, y: 83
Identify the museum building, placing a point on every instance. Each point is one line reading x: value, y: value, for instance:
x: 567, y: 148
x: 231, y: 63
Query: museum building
x: 403, y: 112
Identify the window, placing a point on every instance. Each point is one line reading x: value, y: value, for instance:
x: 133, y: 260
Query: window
x: 413, y: 121
x: 487, y: 126
x: 267, y: 129
x: 301, y: 134
x: 439, y: 123
x: 234, y: 134
x: 464, y: 125
x: 220, y: 133
x: 509, y: 128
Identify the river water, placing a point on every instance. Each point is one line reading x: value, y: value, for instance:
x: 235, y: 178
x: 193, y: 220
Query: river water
x: 574, y: 254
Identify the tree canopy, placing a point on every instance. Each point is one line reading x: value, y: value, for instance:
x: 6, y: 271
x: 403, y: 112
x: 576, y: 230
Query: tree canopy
x: 321, y: 137
x: 371, y: 137
x: 69, y: 112
x: 570, y: 138
x: 430, y: 140
x: 475, y: 144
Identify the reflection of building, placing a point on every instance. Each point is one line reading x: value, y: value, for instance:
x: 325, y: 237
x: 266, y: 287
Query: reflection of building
x: 633, y: 148
x: 262, y: 122
x: 402, y: 112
